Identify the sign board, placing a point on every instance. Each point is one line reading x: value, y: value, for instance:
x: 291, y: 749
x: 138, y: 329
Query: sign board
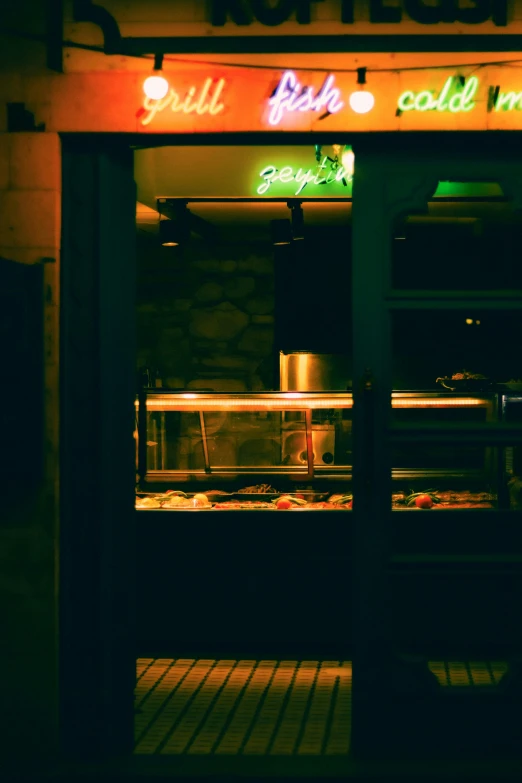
x: 286, y: 171
x: 136, y: 19
x: 348, y: 12
x: 220, y: 99
x: 268, y: 172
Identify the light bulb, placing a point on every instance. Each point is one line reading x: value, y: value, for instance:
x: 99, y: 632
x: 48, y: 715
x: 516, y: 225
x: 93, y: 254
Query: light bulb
x: 361, y: 101
x: 347, y: 160
x: 155, y: 87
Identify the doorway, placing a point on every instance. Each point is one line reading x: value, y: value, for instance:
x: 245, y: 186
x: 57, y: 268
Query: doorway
x: 98, y: 372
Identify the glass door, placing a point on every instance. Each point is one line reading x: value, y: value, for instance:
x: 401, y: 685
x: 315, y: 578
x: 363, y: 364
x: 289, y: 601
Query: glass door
x: 437, y: 318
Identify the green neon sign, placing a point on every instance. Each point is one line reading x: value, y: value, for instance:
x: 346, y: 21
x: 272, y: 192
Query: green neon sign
x: 293, y: 179
x: 507, y: 101
x: 453, y: 97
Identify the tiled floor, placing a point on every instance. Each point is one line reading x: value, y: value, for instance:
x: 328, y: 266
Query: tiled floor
x: 260, y: 708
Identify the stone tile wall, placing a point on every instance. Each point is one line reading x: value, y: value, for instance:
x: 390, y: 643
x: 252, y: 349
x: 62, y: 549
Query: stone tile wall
x: 205, y: 314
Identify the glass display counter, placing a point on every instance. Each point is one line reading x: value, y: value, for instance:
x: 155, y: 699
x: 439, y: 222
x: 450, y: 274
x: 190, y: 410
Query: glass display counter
x: 293, y: 451
x: 269, y: 579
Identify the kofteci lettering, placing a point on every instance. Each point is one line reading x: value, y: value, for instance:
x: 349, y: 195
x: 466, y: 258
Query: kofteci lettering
x: 277, y: 12
x: 206, y: 100
x: 291, y: 96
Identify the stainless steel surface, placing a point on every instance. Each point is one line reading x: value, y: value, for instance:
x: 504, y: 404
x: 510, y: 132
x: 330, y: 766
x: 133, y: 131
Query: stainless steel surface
x: 154, y: 445
x: 204, y: 441
x: 163, y: 441
x: 340, y: 472
x: 245, y: 401
x: 295, y: 446
x: 309, y: 446
x: 302, y: 371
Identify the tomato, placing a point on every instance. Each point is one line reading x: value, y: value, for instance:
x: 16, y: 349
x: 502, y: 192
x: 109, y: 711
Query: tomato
x: 284, y: 503
x: 423, y: 501
x: 300, y: 496
x: 350, y: 504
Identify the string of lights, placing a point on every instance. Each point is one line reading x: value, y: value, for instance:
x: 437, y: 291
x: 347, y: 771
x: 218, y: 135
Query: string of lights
x: 257, y: 66
x: 511, y: 63
x: 291, y: 95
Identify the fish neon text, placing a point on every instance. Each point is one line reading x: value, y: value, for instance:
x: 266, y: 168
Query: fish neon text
x: 449, y: 98
x: 291, y: 96
x: 302, y: 177
x: 204, y: 100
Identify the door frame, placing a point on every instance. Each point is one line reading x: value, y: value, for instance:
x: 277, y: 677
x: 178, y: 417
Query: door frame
x: 97, y: 451
x: 387, y: 185
x: 97, y: 386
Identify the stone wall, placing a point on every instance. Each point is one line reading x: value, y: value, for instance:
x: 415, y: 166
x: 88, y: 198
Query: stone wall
x: 30, y: 207
x: 205, y: 314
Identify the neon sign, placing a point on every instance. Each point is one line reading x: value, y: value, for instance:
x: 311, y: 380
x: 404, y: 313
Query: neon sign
x: 206, y: 100
x: 290, y: 96
x: 302, y: 177
x: 508, y: 101
x: 450, y: 97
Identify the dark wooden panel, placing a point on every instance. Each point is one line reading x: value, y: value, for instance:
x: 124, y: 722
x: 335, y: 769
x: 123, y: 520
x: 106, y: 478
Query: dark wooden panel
x: 252, y: 583
x: 97, y: 450
x: 21, y: 380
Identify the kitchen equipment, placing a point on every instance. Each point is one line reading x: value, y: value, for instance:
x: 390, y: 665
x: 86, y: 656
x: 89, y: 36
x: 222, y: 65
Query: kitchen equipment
x: 323, y: 444
x: 304, y: 371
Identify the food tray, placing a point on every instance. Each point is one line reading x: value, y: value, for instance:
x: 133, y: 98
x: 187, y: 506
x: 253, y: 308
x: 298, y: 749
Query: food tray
x: 245, y: 508
x: 304, y: 508
x: 214, y: 496
x: 310, y: 495
x: 186, y: 508
x: 468, y: 384
x: 268, y: 496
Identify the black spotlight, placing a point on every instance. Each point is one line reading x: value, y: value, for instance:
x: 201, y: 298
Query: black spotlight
x: 281, y: 232
x: 169, y: 233
x: 297, y: 219
x: 175, y: 231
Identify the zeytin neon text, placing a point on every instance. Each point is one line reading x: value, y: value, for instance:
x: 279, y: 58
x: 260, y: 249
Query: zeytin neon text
x: 291, y: 96
x: 302, y: 177
x: 204, y: 101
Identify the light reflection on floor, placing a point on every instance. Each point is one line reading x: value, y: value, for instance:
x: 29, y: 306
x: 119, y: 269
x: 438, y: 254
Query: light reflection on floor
x: 264, y: 708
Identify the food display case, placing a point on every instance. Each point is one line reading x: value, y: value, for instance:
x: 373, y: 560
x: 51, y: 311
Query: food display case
x: 272, y: 580
x: 212, y: 451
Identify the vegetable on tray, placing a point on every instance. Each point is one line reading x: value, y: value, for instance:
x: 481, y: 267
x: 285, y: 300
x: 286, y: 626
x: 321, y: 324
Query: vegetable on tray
x: 287, y: 501
x: 425, y: 499
x: 342, y: 499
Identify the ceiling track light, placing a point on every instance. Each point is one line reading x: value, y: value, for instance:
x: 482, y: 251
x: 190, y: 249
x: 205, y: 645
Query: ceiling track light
x: 297, y: 219
x: 174, y: 230
x: 156, y: 86
x: 281, y: 232
x: 168, y: 233
x: 361, y: 101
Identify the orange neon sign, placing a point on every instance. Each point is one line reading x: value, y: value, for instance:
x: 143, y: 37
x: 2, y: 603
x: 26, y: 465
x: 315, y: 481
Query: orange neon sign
x: 241, y: 100
x: 197, y: 100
